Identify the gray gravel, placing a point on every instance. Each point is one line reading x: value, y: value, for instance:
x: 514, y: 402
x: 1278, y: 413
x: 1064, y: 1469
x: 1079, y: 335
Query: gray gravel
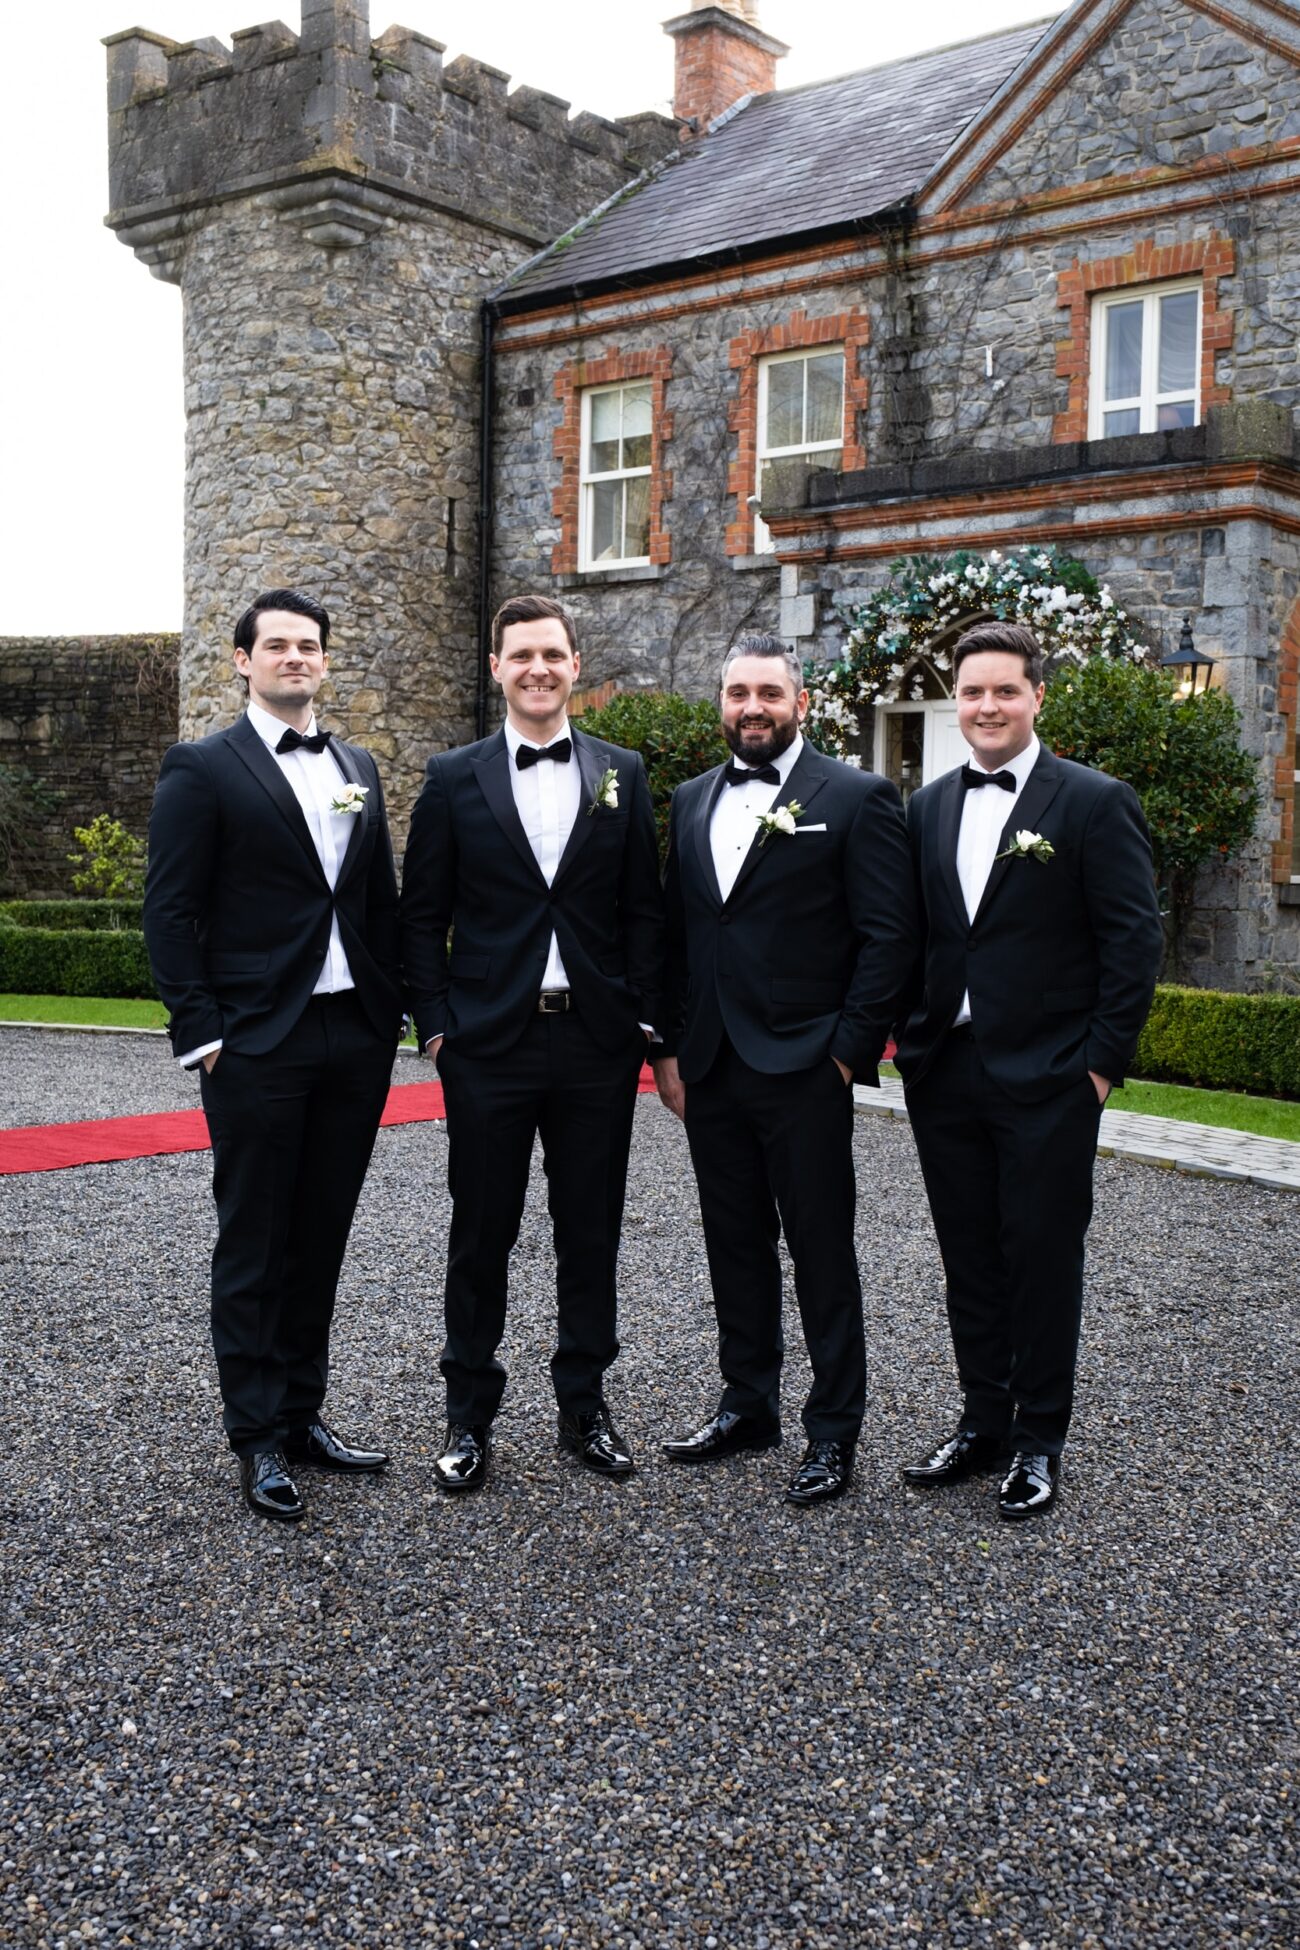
x: 664, y: 1714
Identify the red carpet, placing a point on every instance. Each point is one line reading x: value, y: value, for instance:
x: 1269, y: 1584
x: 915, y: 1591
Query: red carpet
x: 108, y: 1140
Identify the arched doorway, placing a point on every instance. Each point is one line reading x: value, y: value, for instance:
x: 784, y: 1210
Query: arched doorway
x: 917, y: 738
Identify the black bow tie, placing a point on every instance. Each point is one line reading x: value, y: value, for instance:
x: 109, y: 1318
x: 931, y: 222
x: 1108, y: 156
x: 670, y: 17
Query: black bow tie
x: 294, y: 741
x: 561, y: 751
x: 970, y: 777
x: 744, y: 774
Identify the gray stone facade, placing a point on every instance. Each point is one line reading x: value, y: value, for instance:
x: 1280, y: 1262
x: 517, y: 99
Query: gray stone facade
x: 90, y: 718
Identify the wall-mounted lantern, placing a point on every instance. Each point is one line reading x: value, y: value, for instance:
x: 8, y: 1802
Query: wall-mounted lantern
x: 1192, y: 667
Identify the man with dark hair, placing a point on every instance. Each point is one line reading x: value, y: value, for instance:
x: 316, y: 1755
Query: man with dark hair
x: 1042, y: 945
x: 270, y: 914
x: 790, y: 933
x: 534, y: 851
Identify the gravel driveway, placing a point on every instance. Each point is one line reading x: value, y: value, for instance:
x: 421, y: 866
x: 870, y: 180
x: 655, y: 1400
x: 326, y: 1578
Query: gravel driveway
x: 663, y: 1714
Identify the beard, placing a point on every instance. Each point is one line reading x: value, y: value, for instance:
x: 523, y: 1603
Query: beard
x: 762, y: 741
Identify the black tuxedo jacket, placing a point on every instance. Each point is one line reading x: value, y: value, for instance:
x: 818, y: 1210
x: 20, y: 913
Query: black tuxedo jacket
x: 237, y: 909
x: 1062, y: 956
x: 807, y: 956
x: 471, y: 872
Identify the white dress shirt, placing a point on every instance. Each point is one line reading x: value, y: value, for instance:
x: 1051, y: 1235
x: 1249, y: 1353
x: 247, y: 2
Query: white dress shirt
x: 734, y: 826
x: 315, y: 778
x: 547, y: 797
x: 984, y: 813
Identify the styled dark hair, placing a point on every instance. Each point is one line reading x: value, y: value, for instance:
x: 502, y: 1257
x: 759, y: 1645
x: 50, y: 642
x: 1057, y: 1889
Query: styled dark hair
x: 761, y: 643
x: 1014, y: 638
x: 531, y: 609
x: 290, y: 599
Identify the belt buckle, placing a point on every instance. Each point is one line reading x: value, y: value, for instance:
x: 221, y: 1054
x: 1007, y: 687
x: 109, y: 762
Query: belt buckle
x: 553, y: 1002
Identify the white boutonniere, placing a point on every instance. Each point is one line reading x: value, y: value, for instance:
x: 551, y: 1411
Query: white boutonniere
x: 1027, y: 845
x: 780, y: 820
x: 606, y: 793
x: 350, y: 799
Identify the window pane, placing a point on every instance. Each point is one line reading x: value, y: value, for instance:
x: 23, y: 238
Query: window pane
x: 602, y: 457
x: 784, y: 403
x: 1178, y: 347
x: 825, y: 397
x: 606, y: 512
x: 1182, y: 414
x: 1124, y: 352
x: 1129, y: 421
x: 636, y: 532
x: 636, y: 426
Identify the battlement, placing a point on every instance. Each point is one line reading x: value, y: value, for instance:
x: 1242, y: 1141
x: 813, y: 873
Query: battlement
x: 346, y: 133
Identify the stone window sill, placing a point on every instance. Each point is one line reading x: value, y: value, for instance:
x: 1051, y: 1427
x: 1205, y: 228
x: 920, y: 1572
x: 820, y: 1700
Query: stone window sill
x: 589, y: 578
x: 742, y: 563
x: 1288, y: 894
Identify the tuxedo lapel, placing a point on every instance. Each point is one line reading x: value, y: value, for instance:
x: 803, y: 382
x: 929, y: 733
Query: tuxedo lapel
x: 246, y: 744
x: 590, y: 771
x: 351, y: 771
x: 952, y: 797
x: 715, y: 784
x: 1041, y: 787
x: 492, y: 768
x: 807, y: 777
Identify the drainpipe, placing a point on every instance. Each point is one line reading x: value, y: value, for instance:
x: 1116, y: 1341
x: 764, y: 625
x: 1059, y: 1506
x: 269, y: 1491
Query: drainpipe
x: 487, y: 319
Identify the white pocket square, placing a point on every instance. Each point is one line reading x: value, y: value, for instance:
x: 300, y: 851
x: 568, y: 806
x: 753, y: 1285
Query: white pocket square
x: 811, y: 829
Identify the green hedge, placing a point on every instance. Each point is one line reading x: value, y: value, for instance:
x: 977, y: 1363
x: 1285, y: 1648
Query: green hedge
x: 72, y: 914
x: 55, y: 961
x: 1222, y: 1041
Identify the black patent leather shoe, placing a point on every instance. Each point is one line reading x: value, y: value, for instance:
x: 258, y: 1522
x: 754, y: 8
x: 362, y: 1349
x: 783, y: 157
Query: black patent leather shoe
x: 963, y: 1454
x: 269, y: 1490
x: 463, y: 1462
x: 1029, y: 1487
x: 593, y: 1439
x: 725, y: 1435
x: 825, y: 1472
x: 318, y: 1446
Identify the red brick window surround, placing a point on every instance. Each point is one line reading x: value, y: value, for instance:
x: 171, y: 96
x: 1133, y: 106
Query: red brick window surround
x: 852, y: 330
x: 571, y: 382
x: 1286, y: 847
x: 1211, y: 257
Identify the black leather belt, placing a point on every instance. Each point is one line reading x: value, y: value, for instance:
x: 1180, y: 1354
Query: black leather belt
x: 554, y: 1002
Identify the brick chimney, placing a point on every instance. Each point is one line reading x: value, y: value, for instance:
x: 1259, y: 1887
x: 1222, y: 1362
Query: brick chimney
x: 722, y: 55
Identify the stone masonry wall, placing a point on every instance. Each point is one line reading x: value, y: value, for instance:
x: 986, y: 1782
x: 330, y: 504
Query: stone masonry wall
x: 88, y: 718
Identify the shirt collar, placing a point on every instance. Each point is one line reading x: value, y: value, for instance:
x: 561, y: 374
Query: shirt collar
x: 1020, y: 766
x: 271, y: 729
x: 785, y: 762
x: 514, y: 739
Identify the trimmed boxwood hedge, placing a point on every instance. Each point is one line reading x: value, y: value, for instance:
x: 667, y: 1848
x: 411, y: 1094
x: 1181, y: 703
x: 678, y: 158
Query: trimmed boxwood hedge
x: 1222, y: 1041
x: 72, y: 914
x: 85, y: 961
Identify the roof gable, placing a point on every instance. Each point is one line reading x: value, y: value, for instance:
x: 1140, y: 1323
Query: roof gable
x: 1152, y: 83
x: 822, y: 157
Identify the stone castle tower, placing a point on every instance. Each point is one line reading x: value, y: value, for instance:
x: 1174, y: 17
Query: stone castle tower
x: 335, y: 211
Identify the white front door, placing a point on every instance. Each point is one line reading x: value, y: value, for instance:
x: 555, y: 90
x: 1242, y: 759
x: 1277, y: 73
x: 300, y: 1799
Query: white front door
x: 945, y: 748
x: 918, y: 741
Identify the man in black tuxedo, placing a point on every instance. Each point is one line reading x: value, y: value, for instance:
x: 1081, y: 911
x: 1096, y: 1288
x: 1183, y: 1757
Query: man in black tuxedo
x: 1042, y: 946
x: 270, y: 914
x: 535, y: 850
x: 790, y: 933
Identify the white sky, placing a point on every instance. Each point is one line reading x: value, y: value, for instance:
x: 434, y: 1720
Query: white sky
x: 91, y: 424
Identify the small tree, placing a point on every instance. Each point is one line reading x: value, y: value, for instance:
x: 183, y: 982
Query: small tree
x: 1183, y: 758
x: 677, y: 739
x: 111, y: 862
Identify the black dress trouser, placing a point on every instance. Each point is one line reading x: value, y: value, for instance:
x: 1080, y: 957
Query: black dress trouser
x: 559, y: 1084
x: 292, y: 1132
x: 773, y: 1152
x: 1010, y: 1190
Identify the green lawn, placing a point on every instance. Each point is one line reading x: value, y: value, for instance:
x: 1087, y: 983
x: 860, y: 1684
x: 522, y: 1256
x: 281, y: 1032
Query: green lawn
x: 82, y: 1008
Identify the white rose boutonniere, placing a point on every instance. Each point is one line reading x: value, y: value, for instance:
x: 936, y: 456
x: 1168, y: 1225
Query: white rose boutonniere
x: 350, y: 799
x: 1027, y: 845
x: 780, y: 820
x: 606, y: 793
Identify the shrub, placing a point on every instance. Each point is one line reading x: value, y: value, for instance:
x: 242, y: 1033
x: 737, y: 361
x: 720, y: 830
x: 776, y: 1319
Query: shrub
x: 1222, y: 1041
x: 1184, y: 760
x: 676, y: 738
x: 112, y: 861
x: 62, y: 961
x: 71, y: 914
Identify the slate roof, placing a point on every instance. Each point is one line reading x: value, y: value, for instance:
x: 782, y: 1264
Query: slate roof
x: 807, y: 159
